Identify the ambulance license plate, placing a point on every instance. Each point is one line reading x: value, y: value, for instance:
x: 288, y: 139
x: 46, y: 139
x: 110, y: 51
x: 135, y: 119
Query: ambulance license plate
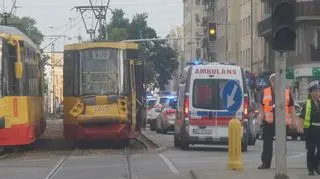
x: 202, y: 131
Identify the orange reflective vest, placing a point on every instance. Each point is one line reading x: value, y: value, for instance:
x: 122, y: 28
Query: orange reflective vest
x: 268, y: 105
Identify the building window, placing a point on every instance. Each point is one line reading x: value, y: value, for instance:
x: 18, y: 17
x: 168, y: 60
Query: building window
x: 249, y: 25
x: 299, y: 41
x: 197, y: 18
x: 249, y: 54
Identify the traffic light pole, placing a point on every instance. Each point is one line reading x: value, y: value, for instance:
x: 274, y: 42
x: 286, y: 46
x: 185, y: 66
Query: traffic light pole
x: 280, y: 122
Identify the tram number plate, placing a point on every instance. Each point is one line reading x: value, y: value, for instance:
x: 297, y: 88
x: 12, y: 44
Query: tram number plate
x: 100, y: 109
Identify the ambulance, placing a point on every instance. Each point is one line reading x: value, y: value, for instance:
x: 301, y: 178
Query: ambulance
x: 209, y: 96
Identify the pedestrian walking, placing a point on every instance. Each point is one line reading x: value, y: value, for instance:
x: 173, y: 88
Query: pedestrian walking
x: 310, y: 125
x: 267, y: 114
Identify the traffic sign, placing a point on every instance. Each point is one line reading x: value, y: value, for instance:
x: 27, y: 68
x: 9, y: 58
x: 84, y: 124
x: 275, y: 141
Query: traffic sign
x: 262, y: 83
x: 232, y: 96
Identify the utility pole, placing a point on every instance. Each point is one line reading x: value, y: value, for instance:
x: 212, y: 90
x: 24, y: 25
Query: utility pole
x: 100, y: 15
x: 52, y: 80
x: 226, y: 29
x: 283, y: 20
x: 252, y: 46
x: 5, y: 15
x: 281, y: 136
x: 53, y: 65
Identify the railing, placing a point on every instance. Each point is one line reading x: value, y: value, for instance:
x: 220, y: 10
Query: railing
x: 314, y: 53
x: 311, y: 8
x: 264, y: 25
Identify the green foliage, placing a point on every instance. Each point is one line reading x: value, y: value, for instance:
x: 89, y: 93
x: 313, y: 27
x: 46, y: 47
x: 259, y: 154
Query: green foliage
x: 118, y: 34
x: 28, y: 26
x: 160, y: 58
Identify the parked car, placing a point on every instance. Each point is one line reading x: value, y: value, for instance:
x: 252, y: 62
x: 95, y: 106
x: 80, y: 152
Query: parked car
x: 151, y: 102
x: 252, y: 119
x: 154, y: 110
x: 167, y: 117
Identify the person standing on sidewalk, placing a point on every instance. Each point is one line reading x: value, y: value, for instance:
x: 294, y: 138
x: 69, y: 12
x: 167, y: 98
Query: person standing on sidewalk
x: 310, y: 125
x: 267, y: 115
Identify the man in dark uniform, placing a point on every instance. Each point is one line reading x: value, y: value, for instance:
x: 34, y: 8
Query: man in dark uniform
x: 267, y: 114
x: 310, y: 122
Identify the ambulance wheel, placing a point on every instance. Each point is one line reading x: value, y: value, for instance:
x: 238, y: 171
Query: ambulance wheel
x: 245, y: 143
x: 244, y: 146
x: 176, y: 142
x: 184, y: 146
x: 294, y: 137
x: 252, y: 140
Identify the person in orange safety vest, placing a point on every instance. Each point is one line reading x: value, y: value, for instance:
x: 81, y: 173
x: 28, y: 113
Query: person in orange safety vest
x: 268, y: 116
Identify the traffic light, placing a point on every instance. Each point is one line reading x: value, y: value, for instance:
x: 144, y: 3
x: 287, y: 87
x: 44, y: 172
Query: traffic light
x: 283, y: 25
x: 212, y: 30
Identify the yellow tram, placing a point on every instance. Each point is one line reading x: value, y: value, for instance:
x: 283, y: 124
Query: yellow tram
x: 21, y: 100
x: 103, y: 90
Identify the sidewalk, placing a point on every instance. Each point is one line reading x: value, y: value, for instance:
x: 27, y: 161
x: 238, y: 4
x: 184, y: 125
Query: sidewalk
x: 160, y: 146
x: 248, y: 174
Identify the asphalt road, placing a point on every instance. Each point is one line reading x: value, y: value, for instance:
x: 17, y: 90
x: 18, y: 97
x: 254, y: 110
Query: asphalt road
x: 73, y: 163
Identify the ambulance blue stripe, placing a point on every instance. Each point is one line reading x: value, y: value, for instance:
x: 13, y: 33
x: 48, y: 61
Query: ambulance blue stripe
x: 218, y: 114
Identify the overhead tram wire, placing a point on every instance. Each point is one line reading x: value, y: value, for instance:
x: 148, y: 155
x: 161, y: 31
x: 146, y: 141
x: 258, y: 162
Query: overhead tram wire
x: 76, y: 24
x: 56, y: 39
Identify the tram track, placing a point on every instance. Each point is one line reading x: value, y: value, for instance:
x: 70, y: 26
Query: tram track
x: 126, y: 153
x: 58, y: 167
x: 128, y: 162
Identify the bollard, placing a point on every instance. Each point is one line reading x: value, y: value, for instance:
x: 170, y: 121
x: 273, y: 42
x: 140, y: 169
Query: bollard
x: 234, y: 145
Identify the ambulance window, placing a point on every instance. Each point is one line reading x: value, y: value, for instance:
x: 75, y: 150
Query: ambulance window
x: 163, y: 100
x: 206, y: 94
x: 151, y: 103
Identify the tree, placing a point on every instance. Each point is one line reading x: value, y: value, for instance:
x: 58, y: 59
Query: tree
x: 118, y: 34
x: 165, y: 55
x: 160, y: 58
x: 27, y: 25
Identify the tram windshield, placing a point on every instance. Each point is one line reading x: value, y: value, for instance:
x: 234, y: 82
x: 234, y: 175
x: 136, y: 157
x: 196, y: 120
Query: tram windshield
x: 99, y: 71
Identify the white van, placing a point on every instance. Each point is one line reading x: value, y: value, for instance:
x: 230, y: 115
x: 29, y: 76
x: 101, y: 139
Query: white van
x: 209, y: 96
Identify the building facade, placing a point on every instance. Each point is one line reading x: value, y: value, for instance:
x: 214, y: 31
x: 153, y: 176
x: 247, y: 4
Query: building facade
x: 54, y: 78
x: 305, y: 60
x: 193, y: 14
x: 178, y: 46
x: 221, y: 18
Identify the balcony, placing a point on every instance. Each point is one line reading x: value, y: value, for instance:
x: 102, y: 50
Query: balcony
x: 304, y: 11
x: 308, y: 10
x: 264, y: 27
x: 314, y: 54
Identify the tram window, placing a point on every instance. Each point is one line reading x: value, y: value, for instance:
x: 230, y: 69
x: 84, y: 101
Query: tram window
x: 76, y: 74
x: 68, y: 73
x: 1, y: 69
x: 11, y: 58
x: 99, y: 71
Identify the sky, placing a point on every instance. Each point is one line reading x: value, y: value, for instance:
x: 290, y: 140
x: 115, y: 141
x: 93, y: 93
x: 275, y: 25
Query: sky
x: 57, y: 17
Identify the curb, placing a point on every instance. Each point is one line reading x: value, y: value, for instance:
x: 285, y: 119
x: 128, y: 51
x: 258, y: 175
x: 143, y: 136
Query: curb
x: 193, y: 174
x: 156, y: 147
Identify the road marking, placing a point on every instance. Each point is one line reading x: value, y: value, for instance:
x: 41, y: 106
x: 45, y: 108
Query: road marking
x: 59, y: 165
x: 297, y: 156
x: 172, y: 168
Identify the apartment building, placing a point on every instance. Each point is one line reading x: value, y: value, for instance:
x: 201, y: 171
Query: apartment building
x: 55, y: 80
x: 194, y: 11
x: 305, y: 60
x: 251, y: 56
x: 178, y: 46
x: 220, y: 17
